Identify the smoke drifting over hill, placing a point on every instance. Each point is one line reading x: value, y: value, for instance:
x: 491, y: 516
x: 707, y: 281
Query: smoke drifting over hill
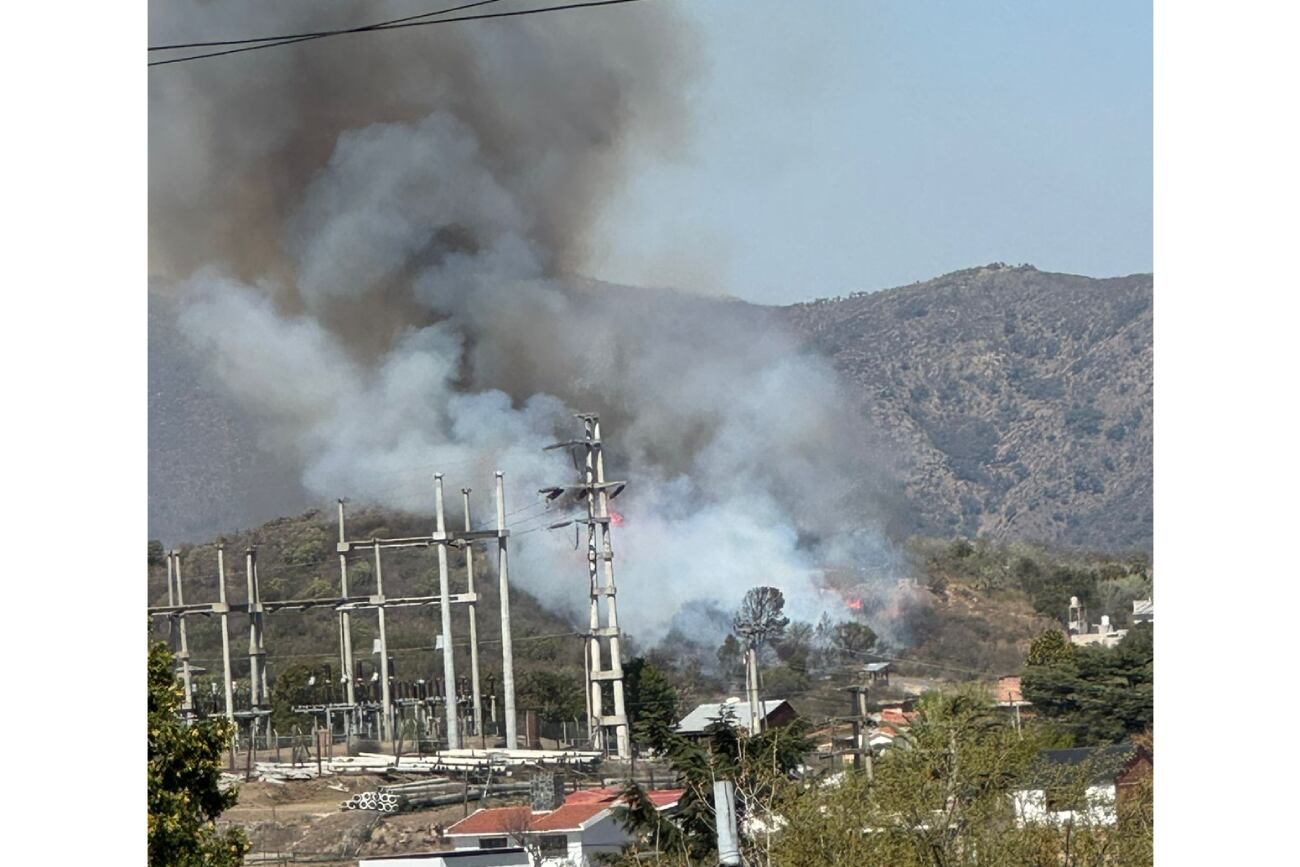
x: 372, y: 242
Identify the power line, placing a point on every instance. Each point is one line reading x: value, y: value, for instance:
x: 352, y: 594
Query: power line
x: 319, y: 33
x: 262, y: 42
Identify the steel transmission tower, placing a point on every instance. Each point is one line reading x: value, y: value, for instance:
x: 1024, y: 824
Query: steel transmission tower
x: 597, y: 492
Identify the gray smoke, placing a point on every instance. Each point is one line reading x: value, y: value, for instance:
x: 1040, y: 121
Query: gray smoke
x: 374, y: 242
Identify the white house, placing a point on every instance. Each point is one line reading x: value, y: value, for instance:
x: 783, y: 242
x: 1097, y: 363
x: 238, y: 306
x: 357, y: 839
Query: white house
x: 567, y: 836
x: 453, y: 858
x: 1080, y: 786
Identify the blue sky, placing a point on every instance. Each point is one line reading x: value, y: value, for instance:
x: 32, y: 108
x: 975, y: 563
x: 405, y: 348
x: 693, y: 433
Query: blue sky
x: 844, y: 145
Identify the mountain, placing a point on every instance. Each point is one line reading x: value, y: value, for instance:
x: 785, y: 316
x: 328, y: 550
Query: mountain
x: 1012, y: 403
x: 1019, y: 402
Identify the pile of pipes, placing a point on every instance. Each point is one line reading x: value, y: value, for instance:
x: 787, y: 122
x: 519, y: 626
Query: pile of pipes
x: 371, y: 801
x: 426, y: 793
x: 479, y: 764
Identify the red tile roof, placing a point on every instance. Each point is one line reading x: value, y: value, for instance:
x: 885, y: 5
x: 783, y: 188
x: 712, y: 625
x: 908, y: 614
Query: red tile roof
x: 579, y: 807
x: 896, y: 717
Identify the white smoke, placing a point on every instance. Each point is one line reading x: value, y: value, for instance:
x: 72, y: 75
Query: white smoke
x: 381, y: 273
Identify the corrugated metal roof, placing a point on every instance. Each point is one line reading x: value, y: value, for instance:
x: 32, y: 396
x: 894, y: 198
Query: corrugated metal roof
x: 699, y: 719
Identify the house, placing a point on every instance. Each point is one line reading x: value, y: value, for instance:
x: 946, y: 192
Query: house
x: 1143, y: 611
x: 776, y: 713
x: 1081, y: 786
x: 562, y: 831
x: 453, y: 858
x: 1102, y: 634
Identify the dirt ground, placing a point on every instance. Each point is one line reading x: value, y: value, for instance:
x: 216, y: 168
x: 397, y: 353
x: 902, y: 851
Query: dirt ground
x: 300, y: 822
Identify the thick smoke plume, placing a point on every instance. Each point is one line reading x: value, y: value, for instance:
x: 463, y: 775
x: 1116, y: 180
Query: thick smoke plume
x: 374, y: 241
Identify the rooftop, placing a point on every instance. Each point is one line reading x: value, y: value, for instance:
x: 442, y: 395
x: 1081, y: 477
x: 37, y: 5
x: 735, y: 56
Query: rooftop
x: 1101, y: 764
x: 703, y: 715
x: 578, y: 810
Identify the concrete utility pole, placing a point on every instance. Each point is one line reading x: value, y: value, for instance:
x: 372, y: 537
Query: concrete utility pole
x: 724, y: 804
x: 345, y: 619
x: 862, y: 730
x: 507, y: 651
x: 187, y: 706
x: 225, y: 632
x: 255, y: 650
x: 756, y: 715
x: 444, y: 590
x: 473, y: 622
x: 596, y: 490
x: 386, y: 729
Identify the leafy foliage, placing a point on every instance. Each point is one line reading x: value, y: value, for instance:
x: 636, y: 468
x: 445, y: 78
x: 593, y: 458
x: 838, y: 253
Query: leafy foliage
x: 555, y: 695
x: 1051, y: 648
x: 651, y: 702
x: 758, y: 765
x: 184, y: 769
x: 946, y: 798
x: 1095, y: 694
x: 853, y: 639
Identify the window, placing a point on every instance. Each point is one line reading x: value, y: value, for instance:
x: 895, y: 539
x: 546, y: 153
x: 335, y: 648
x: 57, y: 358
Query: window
x: 553, y: 844
x: 492, y: 842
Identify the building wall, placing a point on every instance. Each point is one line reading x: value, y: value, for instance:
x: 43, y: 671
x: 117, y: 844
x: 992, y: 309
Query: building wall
x: 1031, y: 808
x: 781, y: 716
x: 487, y: 858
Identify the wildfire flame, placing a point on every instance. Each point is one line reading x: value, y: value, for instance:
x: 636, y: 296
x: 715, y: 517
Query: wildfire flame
x: 615, y: 518
x: 854, y: 604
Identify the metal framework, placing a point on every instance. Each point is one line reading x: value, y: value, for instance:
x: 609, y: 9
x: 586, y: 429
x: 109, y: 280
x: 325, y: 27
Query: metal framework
x: 597, y: 492
x: 177, y: 610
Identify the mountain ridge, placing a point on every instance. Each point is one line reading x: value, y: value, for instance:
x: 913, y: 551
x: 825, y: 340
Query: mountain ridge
x: 1015, y: 402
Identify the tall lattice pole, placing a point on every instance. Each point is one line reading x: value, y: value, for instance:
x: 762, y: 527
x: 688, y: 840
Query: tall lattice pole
x: 601, y: 629
x: 611, y: 600
x: 473, y: 623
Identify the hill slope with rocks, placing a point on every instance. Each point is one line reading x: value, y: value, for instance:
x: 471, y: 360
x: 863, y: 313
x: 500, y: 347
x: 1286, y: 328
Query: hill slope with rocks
x: 1009, y: 402
x: 1019, y: 401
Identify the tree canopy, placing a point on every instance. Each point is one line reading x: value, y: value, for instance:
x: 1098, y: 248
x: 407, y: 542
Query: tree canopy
x: 184, y: 770
x: 1093, y: 694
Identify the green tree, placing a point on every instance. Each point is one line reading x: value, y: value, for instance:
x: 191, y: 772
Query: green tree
x: 555, y: 695
x: 157, y: 556
x: 184, y: 770
x: 795, y: 648
x: 853, y: 640
x: 944, y: 797
x: 1051, y: 648
x: 1095, y: 695
x: 651, y: 702
x: 291, y: 688
x: 757, y: 765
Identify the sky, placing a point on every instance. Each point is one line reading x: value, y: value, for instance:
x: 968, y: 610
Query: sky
x: 850, y: 145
